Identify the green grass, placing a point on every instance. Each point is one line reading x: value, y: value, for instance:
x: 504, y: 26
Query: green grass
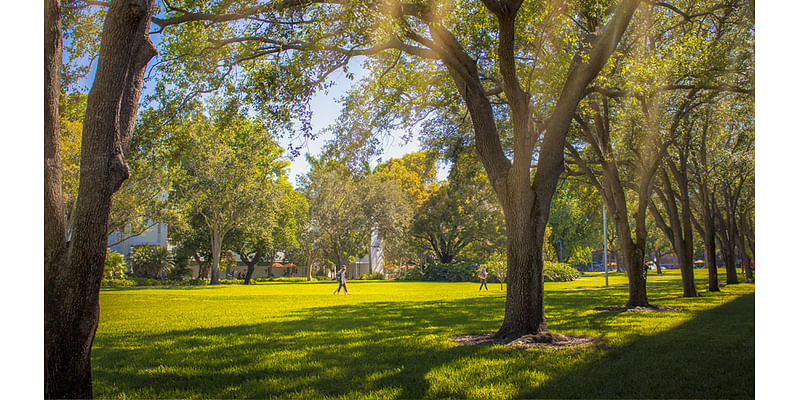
x: 391, y: 340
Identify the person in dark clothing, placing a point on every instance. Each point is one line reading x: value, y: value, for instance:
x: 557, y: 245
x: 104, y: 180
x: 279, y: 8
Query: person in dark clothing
x: 482, y: 274
x: 342, y: 278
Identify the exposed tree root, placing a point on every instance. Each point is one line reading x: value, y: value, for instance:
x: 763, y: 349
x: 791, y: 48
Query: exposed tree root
x: 543, y: 339
x: 650, y: 308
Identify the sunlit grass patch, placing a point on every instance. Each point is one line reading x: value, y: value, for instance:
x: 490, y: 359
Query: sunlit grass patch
x: 391, y: 340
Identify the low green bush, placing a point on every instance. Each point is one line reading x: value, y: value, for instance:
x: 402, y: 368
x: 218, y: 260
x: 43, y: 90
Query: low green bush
x: 192, y: 282
x: 414, y: 274
x: 283, y: 279
x: 116, y: 283
x: 141, y: 281
x: 559, y: 272
x: 460, y: 271
x: 373, y: 276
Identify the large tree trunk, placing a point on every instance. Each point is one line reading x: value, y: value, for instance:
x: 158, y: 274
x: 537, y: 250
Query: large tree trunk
x: 524, y: 313
x: 633, y: 252
x: 72, y: 283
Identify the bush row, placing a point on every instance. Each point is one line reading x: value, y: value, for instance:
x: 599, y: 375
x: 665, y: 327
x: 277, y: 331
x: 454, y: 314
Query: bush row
x: 460, y: 271
x: 560, y: 272
x: 373, y: 276
x: 467, y: 271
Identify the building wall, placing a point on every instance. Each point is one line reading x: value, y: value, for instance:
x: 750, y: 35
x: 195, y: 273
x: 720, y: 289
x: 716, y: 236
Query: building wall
x: 155, y: 235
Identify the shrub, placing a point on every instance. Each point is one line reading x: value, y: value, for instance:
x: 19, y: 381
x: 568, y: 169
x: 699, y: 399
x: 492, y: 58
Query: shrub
x: 559, y: 272
x: 414, y: 274
x: 151, y: 261
x: 372, y: 276
x: 179, y: 273
x: 142, y: 281
x: 192, y: 282
x: 114, y: 266
x: 116, y: 283
x: 460, y: 271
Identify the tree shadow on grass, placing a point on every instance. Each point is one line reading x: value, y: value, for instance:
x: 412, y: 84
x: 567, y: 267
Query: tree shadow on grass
x: 709, y: 356
x: 397, y: 349
x: 323, y: 352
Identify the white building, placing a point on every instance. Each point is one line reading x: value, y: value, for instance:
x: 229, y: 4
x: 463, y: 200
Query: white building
x: 157, y: 235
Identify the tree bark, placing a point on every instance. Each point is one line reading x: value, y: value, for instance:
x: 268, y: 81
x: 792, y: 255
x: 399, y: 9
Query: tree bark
x: 216, y: 253
x: 72, y: 282
x: 744, y: 249
x: 202, y: 267
x: 726, y: 233
x: 710, y: 252
x: 251, y: 268
x: 677, y: 226
x: 707, y: 208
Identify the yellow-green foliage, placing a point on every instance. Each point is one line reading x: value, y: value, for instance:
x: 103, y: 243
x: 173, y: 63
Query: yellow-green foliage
x: 390, y: 340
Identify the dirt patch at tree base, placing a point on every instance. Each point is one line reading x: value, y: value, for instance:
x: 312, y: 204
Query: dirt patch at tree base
x: 548, y: 340
x: 639, y: 309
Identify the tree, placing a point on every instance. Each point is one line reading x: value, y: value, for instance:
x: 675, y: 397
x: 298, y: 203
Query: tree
x: 232, y: 166
x: 496, y: 266
x: 74, y: 269
x: 675, y: 68
x: 576, y: 220
x: 262, y: 238
x: 673, y: 193
x: 460, y: 215
x: 150, y: 261
x: 345, y: 209
x: 480, y: 66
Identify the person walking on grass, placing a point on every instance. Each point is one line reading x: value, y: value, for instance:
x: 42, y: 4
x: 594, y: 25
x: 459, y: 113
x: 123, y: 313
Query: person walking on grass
x: 341, y: 277
x: 482, y: 274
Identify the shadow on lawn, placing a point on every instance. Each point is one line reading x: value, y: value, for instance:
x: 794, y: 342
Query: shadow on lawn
x: 718, y: 343
x: 330, y: 351
x: 392, y: 349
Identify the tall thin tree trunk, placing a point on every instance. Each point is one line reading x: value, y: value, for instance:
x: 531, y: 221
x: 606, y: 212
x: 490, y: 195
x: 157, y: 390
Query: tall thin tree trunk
x: 741, y: 243
x: 710, y: 251
x: 216, y: 254
x: 72, y: 277
x: 729, y: 258
x: 309, y: 263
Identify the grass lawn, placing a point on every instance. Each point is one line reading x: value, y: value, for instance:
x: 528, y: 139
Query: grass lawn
x: 391, y: 340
